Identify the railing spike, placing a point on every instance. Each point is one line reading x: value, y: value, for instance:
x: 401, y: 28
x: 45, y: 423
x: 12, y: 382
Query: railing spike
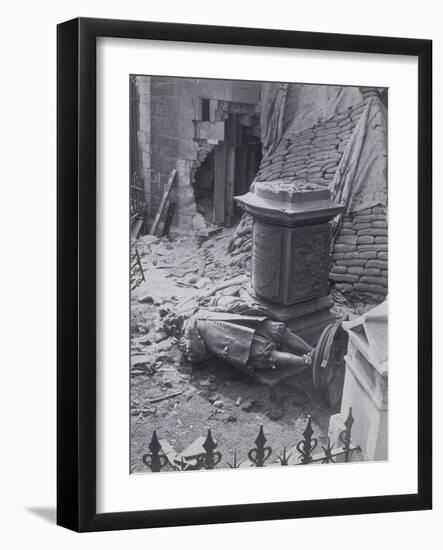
x: 307, y: 444
x: 345, y: 435
x: 260, y: 454
x: 155, y: 460
x: 209, y: 459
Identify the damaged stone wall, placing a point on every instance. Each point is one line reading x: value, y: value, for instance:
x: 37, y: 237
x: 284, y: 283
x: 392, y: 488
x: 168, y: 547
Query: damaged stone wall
x: 176, y: 136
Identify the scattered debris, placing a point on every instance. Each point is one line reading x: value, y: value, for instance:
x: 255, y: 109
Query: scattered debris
x: 146, y: 299
x: 160, y: 336
x: 163, y: 397
x: 276, y: 411
x: 189, y: 455
x: 229, y: 418
x: 168, y: 393
x: 140, y: 360
x: 247, y: 405
x: 144, y: 340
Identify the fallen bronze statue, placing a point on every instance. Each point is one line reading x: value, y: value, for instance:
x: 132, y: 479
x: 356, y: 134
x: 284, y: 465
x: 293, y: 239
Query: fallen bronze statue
x: 241, y: 333
x: 248, y: 342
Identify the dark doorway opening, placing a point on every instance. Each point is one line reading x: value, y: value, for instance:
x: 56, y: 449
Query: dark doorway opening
x: 204, y: 188
x: 228, y: 170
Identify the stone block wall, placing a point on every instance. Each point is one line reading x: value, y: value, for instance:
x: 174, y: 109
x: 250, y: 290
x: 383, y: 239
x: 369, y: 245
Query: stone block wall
x: 143, y: 85
x: 172, y: 134
x: 164, y: 137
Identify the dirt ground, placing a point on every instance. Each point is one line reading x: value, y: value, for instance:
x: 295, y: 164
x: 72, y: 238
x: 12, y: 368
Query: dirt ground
x: 181, y: 400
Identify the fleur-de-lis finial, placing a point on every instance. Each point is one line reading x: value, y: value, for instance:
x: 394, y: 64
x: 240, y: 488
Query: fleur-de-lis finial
x: 307, y: 444
x: 154, y: 460
x: 260, y: 454
x: 209, y: 459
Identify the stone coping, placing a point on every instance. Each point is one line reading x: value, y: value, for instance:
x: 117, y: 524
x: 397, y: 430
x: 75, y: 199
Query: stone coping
x: 290, y: 213
x: 290, y: 191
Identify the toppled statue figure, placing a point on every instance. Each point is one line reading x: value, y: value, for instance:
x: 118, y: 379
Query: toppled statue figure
x: 241, y: 334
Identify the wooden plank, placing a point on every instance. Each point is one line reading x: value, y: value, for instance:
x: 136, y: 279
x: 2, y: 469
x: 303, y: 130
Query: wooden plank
x: 163, y: 202
x: 230, y: 181
x: 219, y: 183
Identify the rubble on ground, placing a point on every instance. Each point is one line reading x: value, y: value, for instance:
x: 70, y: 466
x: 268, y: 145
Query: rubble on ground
x: 179, y: 399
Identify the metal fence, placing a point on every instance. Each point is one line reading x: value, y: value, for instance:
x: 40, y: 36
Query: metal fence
x: 137, y: 275
x: 305, y: 451
x: 137, y: 196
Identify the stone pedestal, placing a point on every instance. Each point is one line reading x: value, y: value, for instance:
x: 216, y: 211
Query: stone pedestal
x: 291, y: 252
x: 366, y: 382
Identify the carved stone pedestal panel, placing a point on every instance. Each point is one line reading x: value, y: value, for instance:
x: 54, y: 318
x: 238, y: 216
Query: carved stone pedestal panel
x: 290, y: 264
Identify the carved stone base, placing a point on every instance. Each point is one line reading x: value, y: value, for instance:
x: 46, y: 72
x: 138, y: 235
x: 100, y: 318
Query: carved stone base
x: 290, y: 264
x: 306, y: 319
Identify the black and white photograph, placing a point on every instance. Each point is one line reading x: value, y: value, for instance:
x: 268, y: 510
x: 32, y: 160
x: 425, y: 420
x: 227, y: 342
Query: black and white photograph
x: 258, y: 254
x: 221, y: 275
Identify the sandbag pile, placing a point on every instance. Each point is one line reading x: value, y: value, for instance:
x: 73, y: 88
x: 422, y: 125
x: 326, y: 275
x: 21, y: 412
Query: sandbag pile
x: 359, y: 259
x: 313, y: 154
x: 240, y: 243
x: 360, y: 255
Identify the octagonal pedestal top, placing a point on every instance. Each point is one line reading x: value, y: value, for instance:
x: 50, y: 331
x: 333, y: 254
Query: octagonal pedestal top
x: 289, y: 202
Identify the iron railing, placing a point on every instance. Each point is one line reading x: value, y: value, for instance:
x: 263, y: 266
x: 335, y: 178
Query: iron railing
x: 137, y: 197
x: 137, y: 275
x: 302, y: 453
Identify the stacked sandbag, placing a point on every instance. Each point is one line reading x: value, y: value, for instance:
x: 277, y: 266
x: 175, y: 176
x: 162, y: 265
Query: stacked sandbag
x: 313, y: 154
x: 240, y: 243
x: 359, y: 266
x: 359, y: 260
x: 360, y: 255
x: 309, y: 156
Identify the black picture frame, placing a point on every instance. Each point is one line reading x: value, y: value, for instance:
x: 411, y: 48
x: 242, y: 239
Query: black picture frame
x: 76, y: 294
